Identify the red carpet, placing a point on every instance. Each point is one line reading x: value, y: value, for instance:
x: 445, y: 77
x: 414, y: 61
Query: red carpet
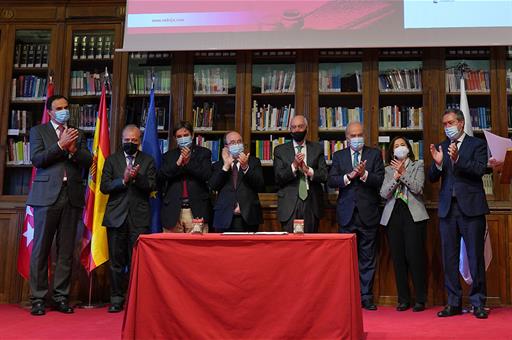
x: 17, y: 323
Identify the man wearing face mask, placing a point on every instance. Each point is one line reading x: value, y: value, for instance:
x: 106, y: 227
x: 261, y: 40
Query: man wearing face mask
x: 358, y: 172
x: 460, y: 162
x: 300, y: 170
x: 129, y: 176
x: 183, y: 181
x: 59, y: 154
x: 237, y: 178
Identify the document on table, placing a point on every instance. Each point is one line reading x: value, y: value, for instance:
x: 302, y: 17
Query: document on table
x: 497, y: 145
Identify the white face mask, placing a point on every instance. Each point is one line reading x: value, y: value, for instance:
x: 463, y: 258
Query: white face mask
x: 356, y: 143
x: 401, y: 152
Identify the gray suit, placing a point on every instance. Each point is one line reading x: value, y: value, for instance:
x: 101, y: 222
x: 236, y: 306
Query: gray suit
x: 406, y: 228
x: 413, y: 179
x: 57, y: 207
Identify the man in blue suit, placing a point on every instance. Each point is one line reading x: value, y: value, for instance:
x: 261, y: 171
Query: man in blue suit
x: 237, y: 178
x: 460, y: 161
x: 358, y: 172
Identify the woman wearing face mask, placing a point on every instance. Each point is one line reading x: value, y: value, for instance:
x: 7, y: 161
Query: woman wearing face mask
x: 406, y: 219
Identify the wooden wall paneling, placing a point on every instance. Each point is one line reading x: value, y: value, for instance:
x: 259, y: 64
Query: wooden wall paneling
x: 181, y: 99
x: 506, y: 242
x: 11, y: 283
x: 247, y: 97
x: 6, y: 45
x: 314, y: 101
x: 242, y: 118
x: 119, y: 88
x: 371, y: 96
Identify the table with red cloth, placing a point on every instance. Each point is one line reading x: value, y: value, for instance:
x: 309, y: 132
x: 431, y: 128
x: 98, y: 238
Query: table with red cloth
x: 214, y: 286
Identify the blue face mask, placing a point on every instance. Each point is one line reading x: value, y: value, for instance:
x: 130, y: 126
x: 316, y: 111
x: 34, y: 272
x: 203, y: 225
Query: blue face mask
x: 184, y: 142
x: 236, y: 149
x: 452, y: 132
x: 62, y: 116
x: 356, y: 143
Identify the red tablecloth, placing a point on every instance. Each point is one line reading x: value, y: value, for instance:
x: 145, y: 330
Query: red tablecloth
x: 216, y: 286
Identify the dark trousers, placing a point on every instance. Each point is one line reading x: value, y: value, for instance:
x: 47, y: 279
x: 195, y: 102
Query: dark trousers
x: 407, y: 246
x: 472, y: 230
x: 303, y: 211
x: 238, y: 224
x: 60, y: 221
x: 120, y: 246
x: 366, y: 247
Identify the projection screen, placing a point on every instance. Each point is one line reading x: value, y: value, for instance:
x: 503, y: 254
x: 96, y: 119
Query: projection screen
x: 264, y: 24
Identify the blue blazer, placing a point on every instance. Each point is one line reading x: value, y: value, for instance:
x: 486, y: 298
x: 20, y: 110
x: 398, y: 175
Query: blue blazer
x: 363, y: 195
x: 465, y: 177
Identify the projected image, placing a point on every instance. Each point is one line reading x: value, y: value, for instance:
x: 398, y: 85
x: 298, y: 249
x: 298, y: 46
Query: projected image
x: 457, y: 13
x: 253, y: 16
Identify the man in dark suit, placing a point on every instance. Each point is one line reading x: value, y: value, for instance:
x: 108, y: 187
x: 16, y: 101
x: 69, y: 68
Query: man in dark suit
x: 237, y: 178
x: 358, y: 172
x: 183, y: 180
x: 129, y: 176
x: 300, y: 170
x: 59, y: 153
x: 460, y: 161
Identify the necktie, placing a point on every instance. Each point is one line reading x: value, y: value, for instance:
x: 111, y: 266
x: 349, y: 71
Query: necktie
x: 303, y: 187
x: 456, y: 142
x: 130, y: 161
x: 234, y: 174
x: 61, y: 128
x: 356, y: 159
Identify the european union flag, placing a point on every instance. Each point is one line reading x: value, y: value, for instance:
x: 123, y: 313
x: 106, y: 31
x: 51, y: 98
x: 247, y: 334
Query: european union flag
x: 151, y: 146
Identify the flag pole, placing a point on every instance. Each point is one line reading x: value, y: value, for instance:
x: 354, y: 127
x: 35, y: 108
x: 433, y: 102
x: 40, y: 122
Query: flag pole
x: 89, y: 304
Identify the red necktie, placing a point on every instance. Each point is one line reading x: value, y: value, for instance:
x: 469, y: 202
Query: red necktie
x: 234, y: 174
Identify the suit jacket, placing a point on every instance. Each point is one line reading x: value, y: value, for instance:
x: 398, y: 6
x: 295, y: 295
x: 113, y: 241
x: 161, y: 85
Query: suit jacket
x: 363, y: 195
x: 170, y: 179
x: 288, y: 182
x: 50, y: 162
x: 464, y: 176
x: 130, y: 198
x: 413, y: 179
x: 246, y: 194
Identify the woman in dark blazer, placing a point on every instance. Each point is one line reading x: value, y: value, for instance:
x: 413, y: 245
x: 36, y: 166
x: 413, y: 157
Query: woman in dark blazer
x: 406, y: 219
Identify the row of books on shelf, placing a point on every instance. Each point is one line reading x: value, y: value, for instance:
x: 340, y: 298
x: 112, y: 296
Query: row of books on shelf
x: 30, y: 55
x: 93, y: 46
x: 400, y: 80
x: 509, y: 80
x: 401, y: 117
x: 264, y: 149
x: 86, y: 83
x: 338, y: 117
x: 28, y: 87
x: 332, y: 81
x: 161, y: 118
x: 269, y: 118
x: 474, y: 80
x: 84, y: 116
x: 203, y: 116
x: 20, y: 121
x: 213, y: 80
x: 18, y: 152
x: 215, y: 146
x: 150, y: 55
x: 140, y: 82
x: 331, y: 146
x: 480, y: 116
x: 278, y: 81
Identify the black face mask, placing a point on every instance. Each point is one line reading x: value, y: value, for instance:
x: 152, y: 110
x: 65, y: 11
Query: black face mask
x: 299, y: 136
x: 130, y: 148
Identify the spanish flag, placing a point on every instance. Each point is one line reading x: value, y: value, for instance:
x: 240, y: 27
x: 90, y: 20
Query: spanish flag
x: 94, y: 238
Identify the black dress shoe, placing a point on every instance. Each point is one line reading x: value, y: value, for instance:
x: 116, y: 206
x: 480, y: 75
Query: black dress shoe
x: 38, y: 309
x: 418, y: 307
x: 64, y: 307
x: 402, y: 307
x: 450, y: 311
x: 480, y: 312
x: 115, y: 308
x: 369, y: 305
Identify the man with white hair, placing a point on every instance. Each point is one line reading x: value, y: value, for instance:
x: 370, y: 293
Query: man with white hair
x: 300, y: 170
